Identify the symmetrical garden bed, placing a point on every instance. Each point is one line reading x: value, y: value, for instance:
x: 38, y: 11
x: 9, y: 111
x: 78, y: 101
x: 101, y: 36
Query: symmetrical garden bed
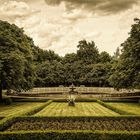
x: 56, y: 120
x: 76, y: 123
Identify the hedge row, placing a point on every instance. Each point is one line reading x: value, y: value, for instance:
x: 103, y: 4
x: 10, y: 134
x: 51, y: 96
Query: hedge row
x: 80, y: 118
x: 121, y: 112
x: 77, y: 100
x: 37, y: 109
x: 70, y: 135
x: 29, y: 99
x: 6, y: 122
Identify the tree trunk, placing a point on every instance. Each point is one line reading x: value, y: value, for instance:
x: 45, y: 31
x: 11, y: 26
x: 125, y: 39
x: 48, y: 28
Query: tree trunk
x: 0, y: 92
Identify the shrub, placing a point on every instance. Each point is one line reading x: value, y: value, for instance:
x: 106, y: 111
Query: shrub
x: 77, y: 100
x: 7, y: 101
x: 76, y: 123
x: 70, y: 135
x: 37, y: 109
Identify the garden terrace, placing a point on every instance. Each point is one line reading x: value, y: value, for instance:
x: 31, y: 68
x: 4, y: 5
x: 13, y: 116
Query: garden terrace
x: 85, y: 92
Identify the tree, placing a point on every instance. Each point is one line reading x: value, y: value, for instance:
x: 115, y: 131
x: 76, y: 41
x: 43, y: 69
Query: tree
x: 69, y: 58
x: 127, y: 70
x: 16, y: 57
x: 104, y: 57
x: 50, y: 74
x: 99, y: 74
x: 88, y: 52
x: 45, y: 55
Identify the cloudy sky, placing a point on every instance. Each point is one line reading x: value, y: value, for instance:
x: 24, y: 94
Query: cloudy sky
x: 59, y: 24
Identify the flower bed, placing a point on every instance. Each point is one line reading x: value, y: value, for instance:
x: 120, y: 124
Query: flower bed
x: 76, y: 123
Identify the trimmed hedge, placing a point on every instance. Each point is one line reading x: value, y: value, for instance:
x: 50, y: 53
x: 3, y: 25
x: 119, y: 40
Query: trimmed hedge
x: 70, y: 135
x: 77, y: 100
x: 29, y: 100
x: 6, y: 122
x: 37, y: 109
x: 121, y: 112
x: 63, y: 120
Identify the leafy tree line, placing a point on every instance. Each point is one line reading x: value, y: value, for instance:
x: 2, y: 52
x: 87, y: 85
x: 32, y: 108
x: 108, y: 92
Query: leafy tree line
x: 24, y: 65
x: 86, y: 67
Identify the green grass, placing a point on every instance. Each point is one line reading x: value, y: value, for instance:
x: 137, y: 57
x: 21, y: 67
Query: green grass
x: 17, y: 108
x: 133, y: 108
x: 81, y: 109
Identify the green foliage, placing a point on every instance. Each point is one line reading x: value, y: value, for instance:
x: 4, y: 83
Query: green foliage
x: 16, y: 58
x: 49, y: 74
x: 117, y: 123
x: 76, y: 100
x: 70, y: 135
x: 104, y: 57
x: 88, y: 52
x: 7, y: 101
x: 99, y: 74
x: 44, y: 55
x: 37, y: 109
x: 126, y: 72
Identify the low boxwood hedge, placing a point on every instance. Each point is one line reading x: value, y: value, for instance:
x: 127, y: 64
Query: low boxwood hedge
x: 70, y: 135
x: 7, y: 122
x: 29, y: 99
x: 37, y: 109
x: 77, y: 100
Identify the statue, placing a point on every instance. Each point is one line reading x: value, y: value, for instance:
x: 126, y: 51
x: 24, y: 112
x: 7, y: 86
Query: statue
x: 72, y: 95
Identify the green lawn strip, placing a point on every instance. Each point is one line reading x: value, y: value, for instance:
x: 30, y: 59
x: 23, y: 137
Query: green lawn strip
x: 46, y: 111
x: 129, y: 107
x: 119, y: 111
x: 11, y: 119
x: 70, y: 135
x: 106, y: 110
x: 17, y: 108
x: 81, y: 109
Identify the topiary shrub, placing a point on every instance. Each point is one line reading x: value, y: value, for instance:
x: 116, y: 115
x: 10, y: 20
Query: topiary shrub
x: 7, y: 101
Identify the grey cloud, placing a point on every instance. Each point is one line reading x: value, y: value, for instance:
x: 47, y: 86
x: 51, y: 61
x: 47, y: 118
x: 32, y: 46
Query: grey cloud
x: 103, y: 6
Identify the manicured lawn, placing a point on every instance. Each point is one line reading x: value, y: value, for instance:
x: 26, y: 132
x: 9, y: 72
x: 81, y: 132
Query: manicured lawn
x: 81, y: 109
x: 128, y: 107
x: 16, y: 108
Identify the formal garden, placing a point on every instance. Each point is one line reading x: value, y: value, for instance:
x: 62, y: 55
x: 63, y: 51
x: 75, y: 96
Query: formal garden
x: 82, y: 96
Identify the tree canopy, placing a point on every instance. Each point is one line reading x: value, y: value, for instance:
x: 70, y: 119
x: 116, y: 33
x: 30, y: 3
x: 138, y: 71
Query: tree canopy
x: 16, y: 58
x: 24, y: 65
x: 127, y: 70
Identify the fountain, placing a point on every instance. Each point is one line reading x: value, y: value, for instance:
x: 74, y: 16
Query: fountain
x: 72, y: 95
